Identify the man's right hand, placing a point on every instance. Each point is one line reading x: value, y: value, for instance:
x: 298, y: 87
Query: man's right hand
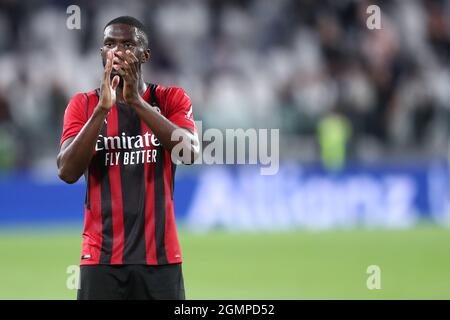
x: 108, y: 87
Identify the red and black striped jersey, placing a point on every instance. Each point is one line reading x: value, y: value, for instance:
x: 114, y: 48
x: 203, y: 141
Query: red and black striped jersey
x: 129, y: 209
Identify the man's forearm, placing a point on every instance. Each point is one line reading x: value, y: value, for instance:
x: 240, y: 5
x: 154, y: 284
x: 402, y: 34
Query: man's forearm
x: 163, y: 128
x: 74, y: 159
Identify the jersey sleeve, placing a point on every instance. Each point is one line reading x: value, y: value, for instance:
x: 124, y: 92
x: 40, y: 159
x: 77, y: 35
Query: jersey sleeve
x: 75, y: 116
x: 179, y: 108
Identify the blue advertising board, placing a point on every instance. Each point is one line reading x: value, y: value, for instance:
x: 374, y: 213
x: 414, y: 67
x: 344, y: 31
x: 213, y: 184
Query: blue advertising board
x: 240, y: 198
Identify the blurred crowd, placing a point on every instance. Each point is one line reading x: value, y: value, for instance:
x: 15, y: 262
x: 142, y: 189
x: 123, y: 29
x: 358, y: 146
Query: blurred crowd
x: 283, y: 64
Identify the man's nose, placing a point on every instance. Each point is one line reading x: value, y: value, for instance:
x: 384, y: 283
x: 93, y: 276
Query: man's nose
x: 117, y: 48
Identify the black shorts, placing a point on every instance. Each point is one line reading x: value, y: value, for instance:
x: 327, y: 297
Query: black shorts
x: 136, y: 282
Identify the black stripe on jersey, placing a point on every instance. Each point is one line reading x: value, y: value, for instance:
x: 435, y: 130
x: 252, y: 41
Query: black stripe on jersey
x: 160, y: 207
x: 87, y: 197
x: 133, y: 191
x: 153, y: 98
x: 160, y: 193
x: 107, y: 227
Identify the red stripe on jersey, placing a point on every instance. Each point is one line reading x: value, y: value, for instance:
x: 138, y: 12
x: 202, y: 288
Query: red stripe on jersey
x: 150, y: 241
x: 92, y: 234
x: 172, y: 246
x: 116, y: 195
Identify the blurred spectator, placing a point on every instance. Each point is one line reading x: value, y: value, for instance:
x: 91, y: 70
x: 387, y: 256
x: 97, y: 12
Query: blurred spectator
x: 334, y: 132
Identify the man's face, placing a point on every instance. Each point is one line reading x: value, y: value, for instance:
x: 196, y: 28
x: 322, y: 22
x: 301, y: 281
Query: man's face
x: 122, y: 37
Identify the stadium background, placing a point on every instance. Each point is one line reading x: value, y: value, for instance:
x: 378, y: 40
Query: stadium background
x: 364, y: 124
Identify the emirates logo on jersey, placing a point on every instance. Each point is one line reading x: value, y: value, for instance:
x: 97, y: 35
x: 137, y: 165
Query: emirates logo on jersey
x: 126, y: 142
x: 128, y: 150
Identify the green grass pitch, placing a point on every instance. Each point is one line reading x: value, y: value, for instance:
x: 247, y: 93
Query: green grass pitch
x: 415, y: 264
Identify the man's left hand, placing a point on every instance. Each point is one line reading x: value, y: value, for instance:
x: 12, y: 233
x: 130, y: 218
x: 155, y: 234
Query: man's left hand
x: 126, y: 65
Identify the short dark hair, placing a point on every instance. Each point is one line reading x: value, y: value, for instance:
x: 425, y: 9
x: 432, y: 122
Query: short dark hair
x: 131, y: 21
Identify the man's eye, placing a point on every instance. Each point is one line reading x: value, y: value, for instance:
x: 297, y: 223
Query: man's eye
x: 128, y: 45
x: 108, y: 45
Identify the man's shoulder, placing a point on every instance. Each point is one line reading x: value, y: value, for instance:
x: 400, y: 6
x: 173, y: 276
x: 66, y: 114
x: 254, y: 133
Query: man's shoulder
x: 170, y: 94
x: 83, y: 102
x: 92, y: 93
x: 83, y: 96
x: 169, y: 90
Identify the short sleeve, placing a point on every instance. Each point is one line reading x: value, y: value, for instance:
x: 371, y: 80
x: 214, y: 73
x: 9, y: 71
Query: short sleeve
x: 179, y: 108
x: 75, y: 116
